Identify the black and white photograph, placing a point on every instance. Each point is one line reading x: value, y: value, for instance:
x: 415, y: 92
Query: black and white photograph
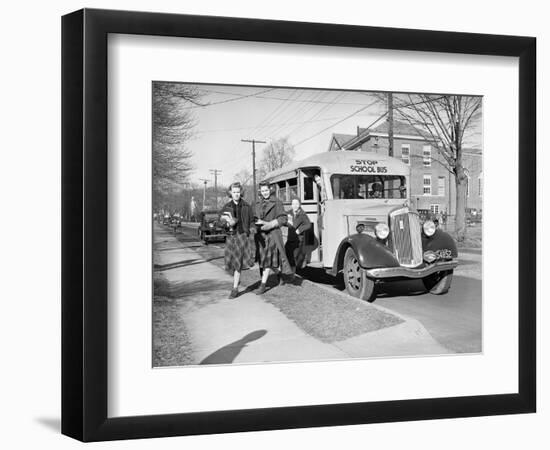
x: 268, y: 225
x: 301, y: 224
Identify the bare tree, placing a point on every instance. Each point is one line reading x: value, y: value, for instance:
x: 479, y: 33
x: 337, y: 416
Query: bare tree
x: 447, y: 121
x: 275, y: 155
x: 172, y: 127
x: 244, y: 176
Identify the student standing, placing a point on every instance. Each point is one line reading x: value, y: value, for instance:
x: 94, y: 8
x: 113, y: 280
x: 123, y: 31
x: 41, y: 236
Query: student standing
x: 271, y: 251
x: 238, y: 217
x: 298, y: 224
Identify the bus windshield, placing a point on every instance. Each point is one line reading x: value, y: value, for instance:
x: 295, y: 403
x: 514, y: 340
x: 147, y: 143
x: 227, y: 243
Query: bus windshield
x: 368, y: 186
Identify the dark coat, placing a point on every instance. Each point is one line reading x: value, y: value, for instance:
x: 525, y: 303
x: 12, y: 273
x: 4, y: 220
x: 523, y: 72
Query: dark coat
x: 271, y: 249
x: 300, y: 222
x: 271, y: 209
x: 246, y: 218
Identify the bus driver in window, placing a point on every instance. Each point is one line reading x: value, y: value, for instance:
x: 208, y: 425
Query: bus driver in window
x: 319, y: 183
x: 376, y: 190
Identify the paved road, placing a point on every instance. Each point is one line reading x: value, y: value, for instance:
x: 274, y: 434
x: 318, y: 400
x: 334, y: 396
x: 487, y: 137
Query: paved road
x: 454, y: 319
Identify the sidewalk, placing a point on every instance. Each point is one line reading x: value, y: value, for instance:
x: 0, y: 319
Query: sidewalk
x: 251, y: 330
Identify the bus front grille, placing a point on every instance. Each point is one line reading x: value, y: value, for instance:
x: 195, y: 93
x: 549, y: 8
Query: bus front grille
x: 407, y: 242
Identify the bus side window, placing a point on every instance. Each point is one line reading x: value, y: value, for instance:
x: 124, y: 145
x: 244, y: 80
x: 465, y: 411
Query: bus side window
x: 282, y: 191
x: 293, y: 188
x: 308, y: 189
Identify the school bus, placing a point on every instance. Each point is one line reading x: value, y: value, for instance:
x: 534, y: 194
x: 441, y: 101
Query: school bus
x: 362, y: 223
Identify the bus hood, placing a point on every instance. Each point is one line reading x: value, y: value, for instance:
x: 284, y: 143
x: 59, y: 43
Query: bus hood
x: 375, y: 208
x: 366, y: 212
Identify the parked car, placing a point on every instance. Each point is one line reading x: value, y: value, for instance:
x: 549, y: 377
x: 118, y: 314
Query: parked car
x: 473, y: 216
x: 210, y: 227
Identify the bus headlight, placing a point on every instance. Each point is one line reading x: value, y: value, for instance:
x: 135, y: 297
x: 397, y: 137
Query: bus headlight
x: 382, y: 230
x: 360, y: 228
x: 429, y: 228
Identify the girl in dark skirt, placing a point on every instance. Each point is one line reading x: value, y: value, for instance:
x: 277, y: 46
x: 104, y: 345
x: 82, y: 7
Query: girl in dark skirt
x: 239, y: 251
x: 271, y: 251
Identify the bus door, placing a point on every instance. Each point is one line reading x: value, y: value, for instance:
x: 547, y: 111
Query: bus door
x: 309, y: 196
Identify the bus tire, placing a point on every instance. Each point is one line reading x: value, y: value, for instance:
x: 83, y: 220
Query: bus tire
x: 438, y: 283
x: 356, y: 280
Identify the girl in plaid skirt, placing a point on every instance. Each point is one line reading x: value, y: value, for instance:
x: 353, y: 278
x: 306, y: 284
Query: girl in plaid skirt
x: 271, y: 250
x: 239, y: 251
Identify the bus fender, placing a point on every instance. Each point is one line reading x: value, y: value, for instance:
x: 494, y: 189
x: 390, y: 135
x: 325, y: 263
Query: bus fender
x: 370, y: 253
x: 440, y: 241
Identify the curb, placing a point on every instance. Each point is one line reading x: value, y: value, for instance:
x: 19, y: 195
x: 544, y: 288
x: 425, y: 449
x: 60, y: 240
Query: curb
x: 413, y: 326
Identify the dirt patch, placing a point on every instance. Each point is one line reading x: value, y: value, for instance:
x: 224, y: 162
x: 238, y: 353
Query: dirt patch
x: 171, y: 345
x: 326, y: 316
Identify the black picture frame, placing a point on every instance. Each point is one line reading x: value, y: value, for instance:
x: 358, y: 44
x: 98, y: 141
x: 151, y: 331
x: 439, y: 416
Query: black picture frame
x: 84, y: 224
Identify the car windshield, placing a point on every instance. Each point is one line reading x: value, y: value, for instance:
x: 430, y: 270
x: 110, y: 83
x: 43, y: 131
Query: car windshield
x: 210, y: 217
x: 368, y: 186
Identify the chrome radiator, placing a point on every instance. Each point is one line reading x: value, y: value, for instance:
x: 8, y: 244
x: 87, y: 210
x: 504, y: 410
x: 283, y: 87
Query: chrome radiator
x: 405, y: 233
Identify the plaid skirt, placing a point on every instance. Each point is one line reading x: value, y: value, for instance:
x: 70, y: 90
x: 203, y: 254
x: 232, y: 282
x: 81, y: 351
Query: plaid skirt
x: 239, y: 253
x: 269, y: 256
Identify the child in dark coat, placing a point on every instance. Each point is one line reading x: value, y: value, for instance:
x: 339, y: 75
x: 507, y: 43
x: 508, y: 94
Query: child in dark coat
x: 298, y: 223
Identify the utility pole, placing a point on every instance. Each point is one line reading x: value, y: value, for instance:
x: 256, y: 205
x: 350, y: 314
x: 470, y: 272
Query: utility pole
x: 390, y: 124
x: 204, y: 180
x: 216, y: 172
x: 254, y: 142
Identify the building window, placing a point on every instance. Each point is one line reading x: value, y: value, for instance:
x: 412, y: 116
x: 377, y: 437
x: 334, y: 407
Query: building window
x: 427, y: 155
x: 406, y: 153
x: 434, y: 209
x: 441, y: 186
x: 427, y: 185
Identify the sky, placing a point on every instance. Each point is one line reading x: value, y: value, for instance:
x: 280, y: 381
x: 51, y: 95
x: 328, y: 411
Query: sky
x: 306, y: 117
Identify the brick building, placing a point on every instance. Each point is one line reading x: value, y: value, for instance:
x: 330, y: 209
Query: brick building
x: 432, y: 186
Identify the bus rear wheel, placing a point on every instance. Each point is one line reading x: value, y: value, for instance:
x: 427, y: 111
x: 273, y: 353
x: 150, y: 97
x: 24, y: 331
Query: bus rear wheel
x: 355, y: 278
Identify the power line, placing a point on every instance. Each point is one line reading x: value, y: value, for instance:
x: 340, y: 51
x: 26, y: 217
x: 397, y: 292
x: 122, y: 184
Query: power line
x: 227, y: 130
x: 337, y: 123
x: 288, y: 99
x: 202, y: 105
x: 286, y: 108
x: 321, y: 111
x: 300, y: 111
x: 362, y: 109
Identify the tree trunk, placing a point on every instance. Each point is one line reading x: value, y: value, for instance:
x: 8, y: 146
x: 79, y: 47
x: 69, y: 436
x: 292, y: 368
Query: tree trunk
x: 460, y: 217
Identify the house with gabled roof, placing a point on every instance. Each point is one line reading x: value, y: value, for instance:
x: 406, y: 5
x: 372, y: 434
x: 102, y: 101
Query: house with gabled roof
x: 338, y: 140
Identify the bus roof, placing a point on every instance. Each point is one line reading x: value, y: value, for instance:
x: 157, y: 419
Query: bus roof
x: 345, y: 162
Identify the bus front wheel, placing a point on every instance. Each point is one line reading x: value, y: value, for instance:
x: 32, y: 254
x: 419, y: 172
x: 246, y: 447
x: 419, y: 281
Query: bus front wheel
x: 439, y: 283
x: 356, y: 280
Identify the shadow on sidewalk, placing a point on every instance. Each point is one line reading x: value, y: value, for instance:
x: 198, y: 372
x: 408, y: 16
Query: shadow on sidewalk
x: 228, y: 353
